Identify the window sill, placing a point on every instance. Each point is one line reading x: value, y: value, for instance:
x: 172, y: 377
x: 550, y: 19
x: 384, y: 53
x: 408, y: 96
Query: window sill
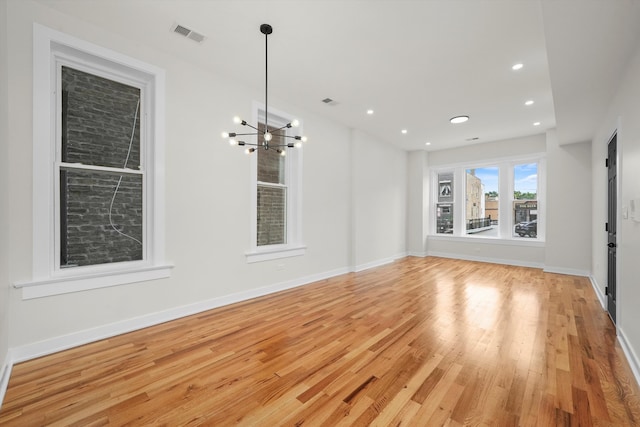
x: 266, y: 254
x: 490, y: 240
x: 58, y: 286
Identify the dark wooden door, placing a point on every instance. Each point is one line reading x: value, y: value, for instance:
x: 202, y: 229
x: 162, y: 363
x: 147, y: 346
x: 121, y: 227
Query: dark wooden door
x: 612, y: 227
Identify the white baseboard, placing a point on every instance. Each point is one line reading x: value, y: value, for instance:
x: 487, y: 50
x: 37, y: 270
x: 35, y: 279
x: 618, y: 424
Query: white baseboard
x: 486, y: 259
x: 631, y: 355
x: 417, y: 254
x: 53, y: 345
x: 5, y: 374
x: 569, y: 271
x: 596, y: 288
x: 378, y: 263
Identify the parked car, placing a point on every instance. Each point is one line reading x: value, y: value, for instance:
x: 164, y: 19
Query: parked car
x: 529, y: 228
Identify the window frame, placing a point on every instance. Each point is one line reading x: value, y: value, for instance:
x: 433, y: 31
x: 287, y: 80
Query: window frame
x: 293, y: 183
x: 505, y: 205
x: 50, y: 49
x: 67, y: 61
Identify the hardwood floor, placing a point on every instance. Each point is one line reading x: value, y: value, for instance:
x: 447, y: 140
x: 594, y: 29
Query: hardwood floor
x: 422, y: 341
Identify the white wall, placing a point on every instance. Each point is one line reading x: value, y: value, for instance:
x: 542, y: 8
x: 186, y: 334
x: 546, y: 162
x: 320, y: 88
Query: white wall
x: 568, y: 219
x: 488, y: 151
x: 379, y: 201
x: 4, y: 197
x: 623, y: 114
x: 417, y: 203
x: 207, y: 201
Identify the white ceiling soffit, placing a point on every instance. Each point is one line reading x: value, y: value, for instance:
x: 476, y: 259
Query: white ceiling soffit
x: 589, y: 44
x: 415, y: 63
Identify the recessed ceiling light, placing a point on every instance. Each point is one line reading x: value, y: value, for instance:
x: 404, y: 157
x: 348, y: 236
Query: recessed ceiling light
x: 369, y: 112
x: 517, y: 66
x: 459, y: 119
x: 427, y: 143
x: 403, y: 131
x: 529, y: 102
x: 536, y: 123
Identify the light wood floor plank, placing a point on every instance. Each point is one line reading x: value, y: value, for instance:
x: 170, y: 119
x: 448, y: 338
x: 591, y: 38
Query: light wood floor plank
x: 422, y: 341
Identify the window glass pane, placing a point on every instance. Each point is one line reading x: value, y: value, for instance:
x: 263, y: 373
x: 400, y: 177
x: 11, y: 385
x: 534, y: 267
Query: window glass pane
x: 444, y: 208
x: 445, y: 187
x: 271, y: 215
x: 270, y: 162
x: 525, y: 204
x: 481, y: 187
x: 444, y: 218
x: 100, y: 217
x: 100, y: 121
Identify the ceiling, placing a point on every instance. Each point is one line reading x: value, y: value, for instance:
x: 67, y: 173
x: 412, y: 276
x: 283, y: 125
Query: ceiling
x: 415, y: 63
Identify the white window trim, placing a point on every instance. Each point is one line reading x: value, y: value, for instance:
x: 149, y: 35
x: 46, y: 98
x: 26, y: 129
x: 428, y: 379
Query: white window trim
x: 505, y: 166
x: 293, y: 181
x: 49, y: 46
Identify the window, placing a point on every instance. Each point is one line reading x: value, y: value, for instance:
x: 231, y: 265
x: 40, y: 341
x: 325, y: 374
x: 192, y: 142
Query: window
x: 271, y: 193
x: 98, y: 154
x: 481, y: 185
x: 100, y: 189
x: 444, y: 208
x: 525, y: 200
x: 480, y: 213
x: 276, y: 227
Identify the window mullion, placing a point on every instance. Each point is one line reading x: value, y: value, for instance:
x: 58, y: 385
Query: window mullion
x: 272, y: 184
x: 127, y: 171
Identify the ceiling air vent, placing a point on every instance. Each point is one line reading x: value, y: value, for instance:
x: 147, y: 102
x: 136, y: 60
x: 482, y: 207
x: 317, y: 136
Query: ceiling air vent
x: 329, y: 101
x: 188, y: 33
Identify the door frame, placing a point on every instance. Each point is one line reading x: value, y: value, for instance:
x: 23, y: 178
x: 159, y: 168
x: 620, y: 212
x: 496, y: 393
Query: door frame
x: 617, y: 217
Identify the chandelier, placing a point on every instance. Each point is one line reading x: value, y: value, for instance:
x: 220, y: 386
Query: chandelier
x: 265, y: 139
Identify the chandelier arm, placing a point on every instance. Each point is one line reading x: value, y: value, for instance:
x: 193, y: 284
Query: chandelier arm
x: 247, y: 134
x: 252, y: 127
x: 283, y: 127
x: 286, y: 145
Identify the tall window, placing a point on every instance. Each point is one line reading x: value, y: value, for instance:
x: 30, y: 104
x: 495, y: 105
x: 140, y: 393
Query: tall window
x: 481, y: 199
x: 271, y: 193
x: 525, y: 200
x: 100, y: 209
x: 98, y: 153
x: 445, y: 206
x: 277, y: 181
